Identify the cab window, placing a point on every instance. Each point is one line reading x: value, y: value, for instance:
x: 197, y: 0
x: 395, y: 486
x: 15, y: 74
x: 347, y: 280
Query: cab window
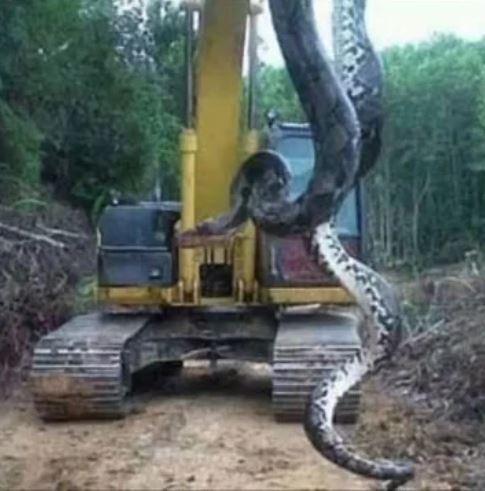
x: 300, y: 154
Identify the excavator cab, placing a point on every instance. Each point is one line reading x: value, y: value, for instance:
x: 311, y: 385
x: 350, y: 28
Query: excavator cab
x: 250, y: 296
x: 287, y: 261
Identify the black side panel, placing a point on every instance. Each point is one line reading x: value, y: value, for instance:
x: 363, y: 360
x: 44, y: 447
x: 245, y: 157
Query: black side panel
x: 137, y: 246
x: 137, y: 226
x: 136, y: 268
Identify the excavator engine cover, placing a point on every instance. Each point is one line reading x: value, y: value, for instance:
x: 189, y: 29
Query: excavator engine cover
x: 137, y: 246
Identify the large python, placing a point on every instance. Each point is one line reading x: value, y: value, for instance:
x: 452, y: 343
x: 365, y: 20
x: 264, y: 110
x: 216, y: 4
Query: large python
x: 346, y: 120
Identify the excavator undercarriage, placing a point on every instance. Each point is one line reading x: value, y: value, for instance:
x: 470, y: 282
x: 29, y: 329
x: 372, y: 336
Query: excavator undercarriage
x: 84, y: 369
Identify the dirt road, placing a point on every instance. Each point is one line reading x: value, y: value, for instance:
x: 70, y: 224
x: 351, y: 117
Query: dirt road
x: 197, y: 432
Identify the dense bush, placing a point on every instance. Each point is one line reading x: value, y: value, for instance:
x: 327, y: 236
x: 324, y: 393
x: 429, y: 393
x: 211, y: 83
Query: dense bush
x: 44, y: 254
x: 86, y: 97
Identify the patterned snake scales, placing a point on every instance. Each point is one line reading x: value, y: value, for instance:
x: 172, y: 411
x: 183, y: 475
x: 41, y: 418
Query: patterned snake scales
x: 346, y: 119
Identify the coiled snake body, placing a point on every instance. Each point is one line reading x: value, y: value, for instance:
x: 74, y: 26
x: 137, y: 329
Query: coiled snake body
x: 346, y: 120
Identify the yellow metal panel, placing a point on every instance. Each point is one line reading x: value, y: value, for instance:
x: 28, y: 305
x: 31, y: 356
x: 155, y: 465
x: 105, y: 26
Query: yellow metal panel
x: 219, y: 255
x: 305, y: 296
x: 188, y: 271
x: 252, y: 143
x: 247, y: 246
x: 216, y: 301
x: 245, y: 258
x: 136, y: 295
x: 188, y: 150
x: 139, y: 296
x: 218, y: 103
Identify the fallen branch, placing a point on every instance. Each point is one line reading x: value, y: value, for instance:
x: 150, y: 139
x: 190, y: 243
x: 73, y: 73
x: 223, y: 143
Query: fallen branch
x: 65, y: 233
x: 33, y: 236
x: 7, y: 245
x: 423, y: 335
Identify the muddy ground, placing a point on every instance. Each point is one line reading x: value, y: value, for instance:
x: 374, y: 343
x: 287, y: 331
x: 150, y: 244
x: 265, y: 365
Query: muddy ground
x: 203, y: 430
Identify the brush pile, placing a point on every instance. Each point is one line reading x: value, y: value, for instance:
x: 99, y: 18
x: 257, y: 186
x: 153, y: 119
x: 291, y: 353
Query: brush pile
x: 429, y: 406
x: 43, y: 256
x: 442, y: 366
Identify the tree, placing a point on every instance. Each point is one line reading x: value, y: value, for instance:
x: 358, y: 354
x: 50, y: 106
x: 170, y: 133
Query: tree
x: 427, y: 201
x: 426, y: 192
x: 91, y: 84
x: 276, y: 92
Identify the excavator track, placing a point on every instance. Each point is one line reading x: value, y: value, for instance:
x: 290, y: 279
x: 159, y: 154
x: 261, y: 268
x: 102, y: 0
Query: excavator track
x: 307, y: 348
x: 79, y: 370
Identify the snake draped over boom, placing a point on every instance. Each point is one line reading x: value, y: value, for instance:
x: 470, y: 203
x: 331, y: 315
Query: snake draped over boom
x: 345, y: 117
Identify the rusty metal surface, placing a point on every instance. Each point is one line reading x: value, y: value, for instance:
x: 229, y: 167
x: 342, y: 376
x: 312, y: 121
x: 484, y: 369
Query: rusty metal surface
x: 195, y: 238
x: 77, y: 370
x: 306, y: 348
x: 215, y: 323
x: 205, y: 333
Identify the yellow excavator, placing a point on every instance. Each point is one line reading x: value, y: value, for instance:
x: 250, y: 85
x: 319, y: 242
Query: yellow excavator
x: 252, y: 296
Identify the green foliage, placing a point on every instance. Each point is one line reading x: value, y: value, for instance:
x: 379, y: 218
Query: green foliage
x: 426, y: 194
x: 85, y: 98
x: 276, y: 93
x: 19, y: 150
